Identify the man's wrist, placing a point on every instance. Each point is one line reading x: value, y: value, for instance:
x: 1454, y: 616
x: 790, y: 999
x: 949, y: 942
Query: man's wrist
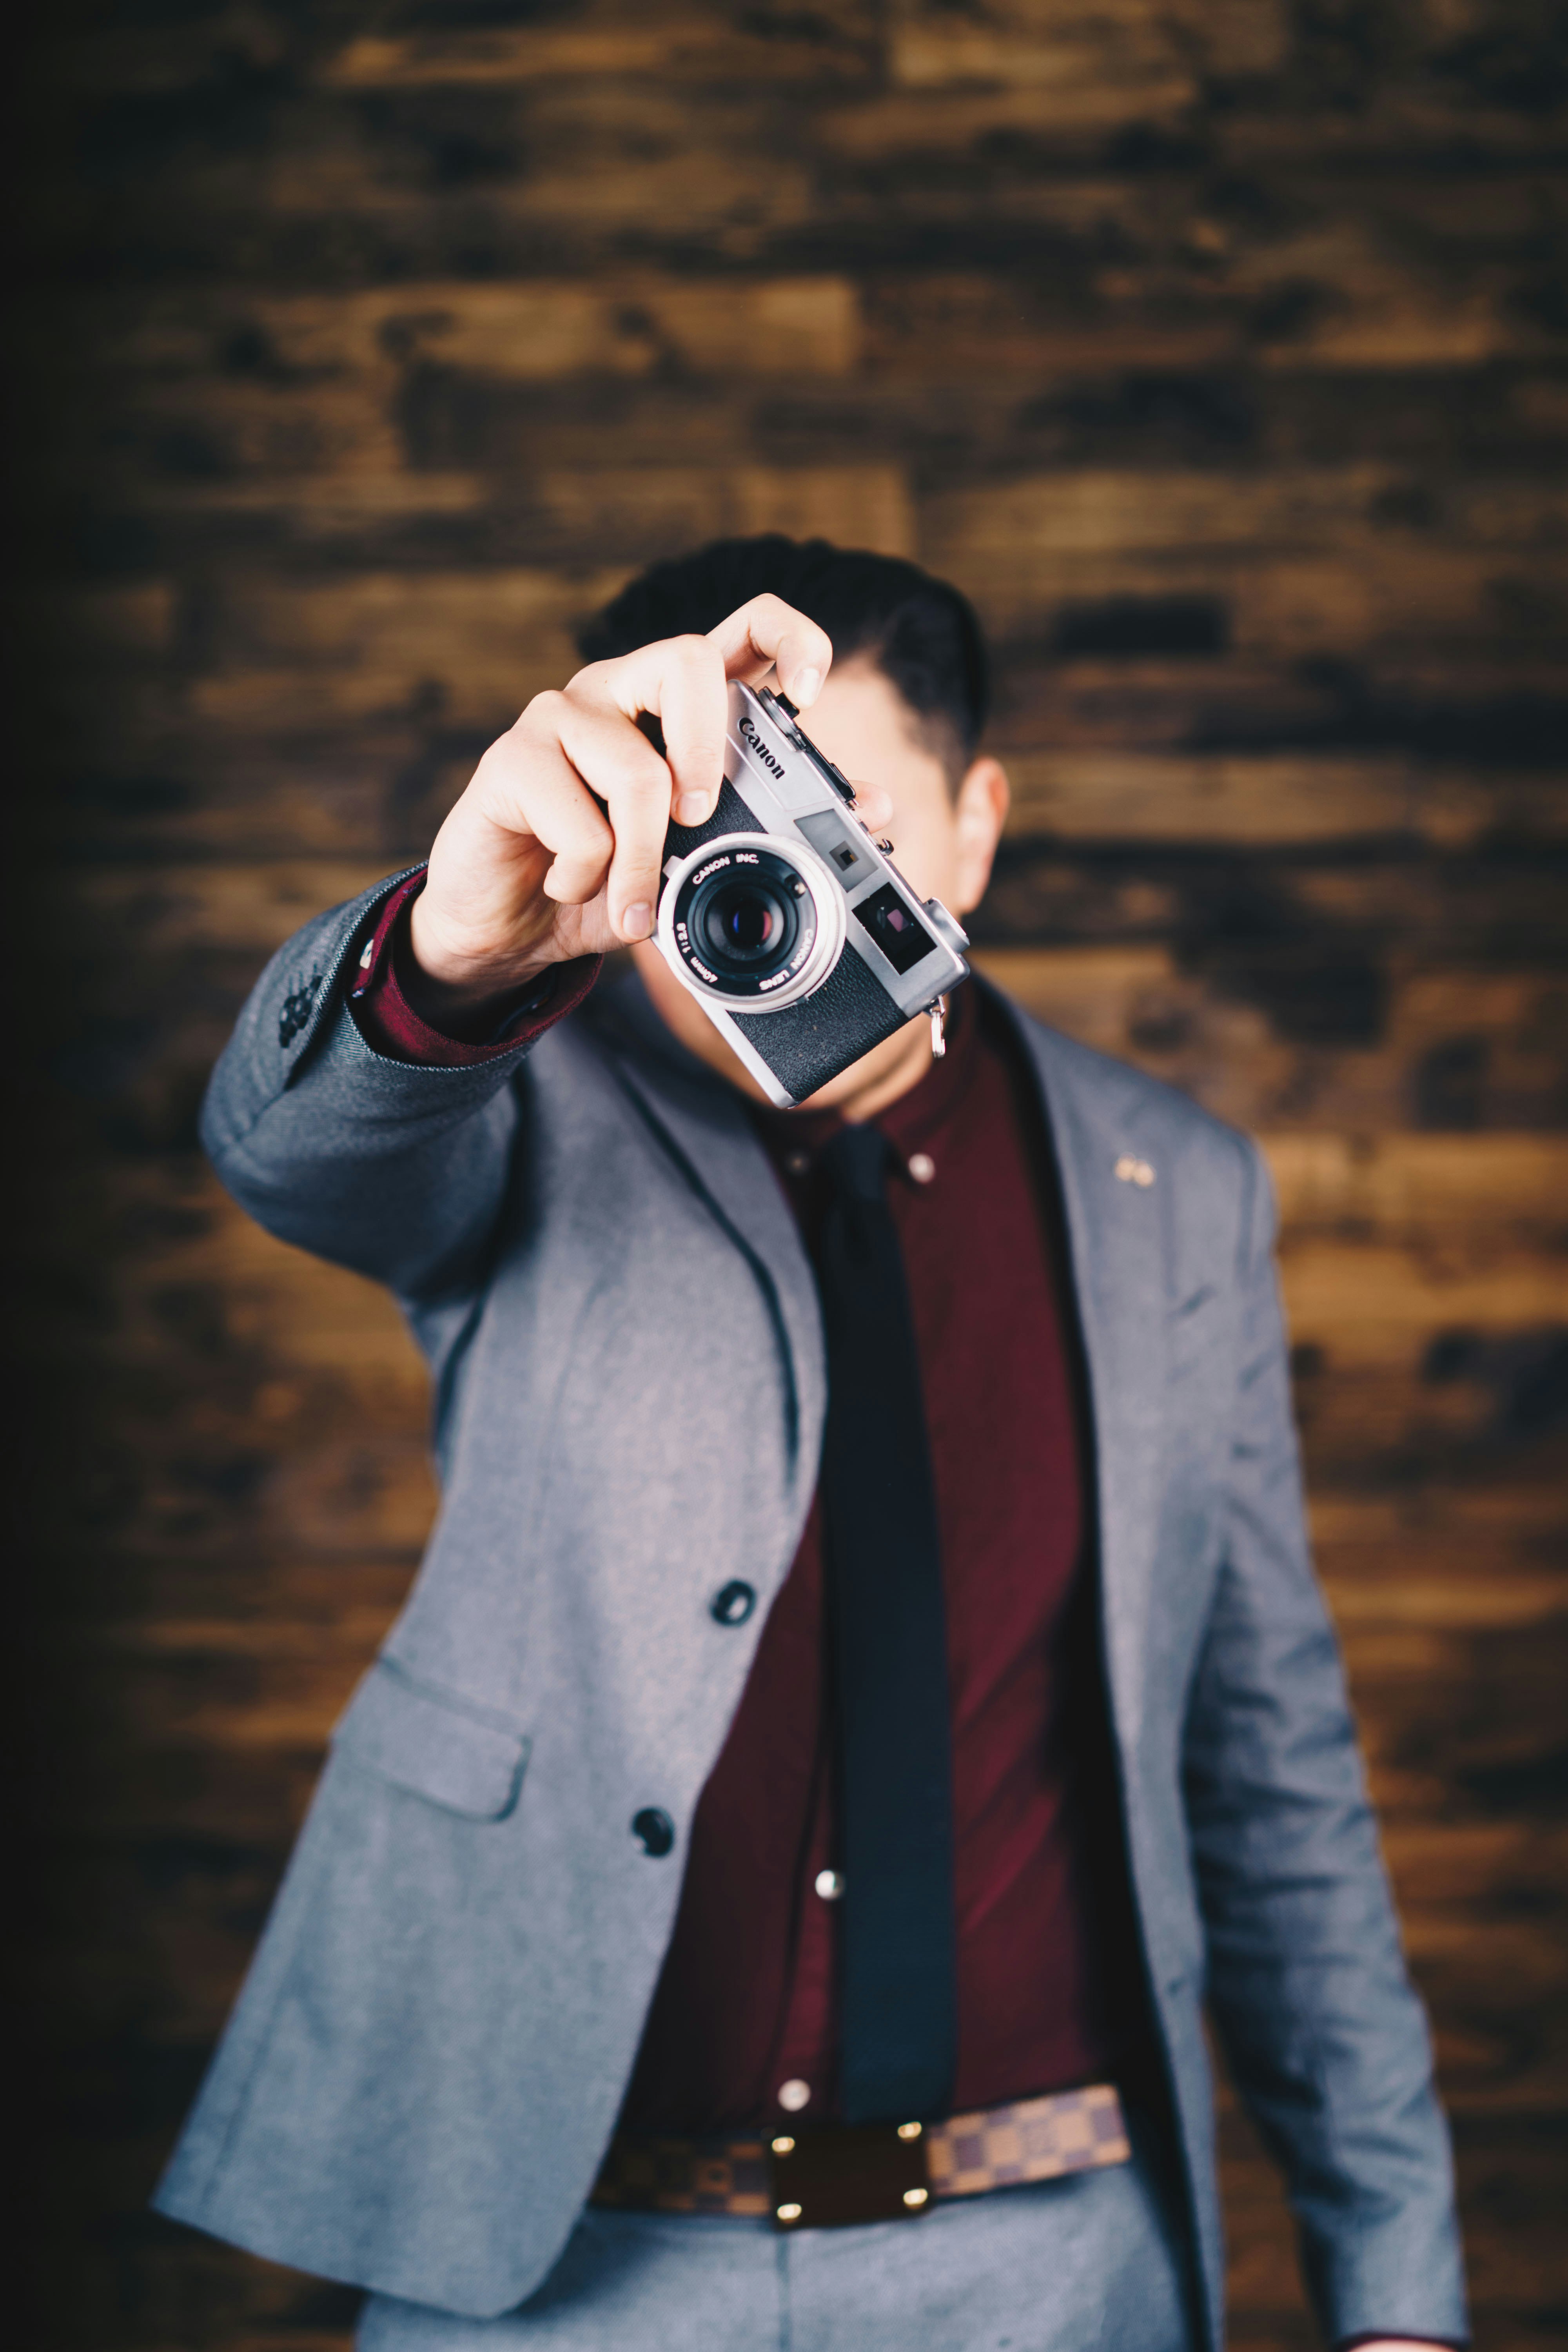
x: 393, y: 1026
x: 462, y: 997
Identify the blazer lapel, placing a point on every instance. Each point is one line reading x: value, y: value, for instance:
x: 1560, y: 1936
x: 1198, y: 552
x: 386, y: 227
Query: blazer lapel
x: 703, y: 1122
x: 1115, y: 1234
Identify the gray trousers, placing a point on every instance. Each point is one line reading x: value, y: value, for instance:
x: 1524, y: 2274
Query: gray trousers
x: 1094, y: 2263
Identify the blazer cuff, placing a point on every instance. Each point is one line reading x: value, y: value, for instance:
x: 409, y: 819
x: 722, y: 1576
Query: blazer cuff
x: 391, y: 1027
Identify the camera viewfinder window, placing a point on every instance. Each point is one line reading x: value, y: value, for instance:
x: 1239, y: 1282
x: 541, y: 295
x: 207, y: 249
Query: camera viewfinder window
x: 895, y: 927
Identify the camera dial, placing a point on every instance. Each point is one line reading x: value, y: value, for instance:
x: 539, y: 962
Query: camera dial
x: 750, y: 922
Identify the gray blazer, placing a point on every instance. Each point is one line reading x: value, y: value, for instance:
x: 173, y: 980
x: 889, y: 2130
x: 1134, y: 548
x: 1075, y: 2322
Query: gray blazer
x: 430, y: 2051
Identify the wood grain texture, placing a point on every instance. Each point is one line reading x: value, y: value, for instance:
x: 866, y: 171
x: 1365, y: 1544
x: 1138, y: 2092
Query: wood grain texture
x: 1218, y: 348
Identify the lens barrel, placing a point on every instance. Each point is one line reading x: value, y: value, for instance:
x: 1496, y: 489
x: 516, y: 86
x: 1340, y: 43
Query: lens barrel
x: 750, y: 922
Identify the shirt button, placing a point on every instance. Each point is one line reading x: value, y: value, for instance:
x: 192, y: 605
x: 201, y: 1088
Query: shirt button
x: 793, y: 2094
x: 922, y: 1167
x: 656, y: 1829
x: 733, y: 1603
x: 830, y: 1884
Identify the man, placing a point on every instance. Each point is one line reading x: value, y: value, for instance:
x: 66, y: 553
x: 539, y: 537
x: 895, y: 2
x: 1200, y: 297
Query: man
x: 866, y: 1688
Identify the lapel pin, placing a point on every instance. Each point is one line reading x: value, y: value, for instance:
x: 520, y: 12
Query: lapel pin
x: 1134, y: 1171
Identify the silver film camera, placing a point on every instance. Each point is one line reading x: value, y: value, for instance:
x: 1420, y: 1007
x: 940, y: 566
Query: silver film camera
x: 791, y: 927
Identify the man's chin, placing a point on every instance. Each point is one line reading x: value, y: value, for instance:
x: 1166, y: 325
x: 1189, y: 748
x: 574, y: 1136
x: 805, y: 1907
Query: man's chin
x: 895, y: 1056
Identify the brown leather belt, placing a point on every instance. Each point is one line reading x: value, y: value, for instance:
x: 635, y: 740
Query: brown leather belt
x: 870, y: 2172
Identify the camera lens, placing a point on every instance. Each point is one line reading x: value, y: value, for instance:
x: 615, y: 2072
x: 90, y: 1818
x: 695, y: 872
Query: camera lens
x: 745, y: 926
x: 744, y: 921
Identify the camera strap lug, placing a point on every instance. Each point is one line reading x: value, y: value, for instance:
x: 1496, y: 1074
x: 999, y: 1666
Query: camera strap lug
x: 938, y: 1011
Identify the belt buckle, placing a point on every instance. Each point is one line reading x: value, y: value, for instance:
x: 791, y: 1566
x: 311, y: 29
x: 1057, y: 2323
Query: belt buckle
x: 848, y: 2173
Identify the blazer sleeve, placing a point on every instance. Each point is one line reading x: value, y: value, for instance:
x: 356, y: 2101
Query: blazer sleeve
x: 1307, y: 1987
x: 397, y: 1169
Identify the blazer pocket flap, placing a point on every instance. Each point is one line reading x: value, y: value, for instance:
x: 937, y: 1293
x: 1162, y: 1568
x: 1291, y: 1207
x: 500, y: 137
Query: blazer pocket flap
x: 428, y: 1744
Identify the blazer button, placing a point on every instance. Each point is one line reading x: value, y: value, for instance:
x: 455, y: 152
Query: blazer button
x: 733, y: 1603
x: 655, y: 1828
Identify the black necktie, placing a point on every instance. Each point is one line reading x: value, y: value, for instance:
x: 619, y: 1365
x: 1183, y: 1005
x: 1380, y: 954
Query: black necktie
x: 890, y: 1655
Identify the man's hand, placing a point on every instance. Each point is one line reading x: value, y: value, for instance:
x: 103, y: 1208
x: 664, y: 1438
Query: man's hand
x: 554, y: 849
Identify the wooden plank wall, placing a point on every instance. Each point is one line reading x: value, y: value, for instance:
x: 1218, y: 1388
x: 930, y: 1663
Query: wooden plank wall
x: 1219, y: 350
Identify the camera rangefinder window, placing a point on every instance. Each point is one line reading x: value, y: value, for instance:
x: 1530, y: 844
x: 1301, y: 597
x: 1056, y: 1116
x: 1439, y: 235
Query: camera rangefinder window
x: 895, y: 927
x: 849, y: 852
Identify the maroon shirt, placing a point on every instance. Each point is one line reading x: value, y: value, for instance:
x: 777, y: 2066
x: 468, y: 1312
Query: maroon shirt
x: 747, y: 1998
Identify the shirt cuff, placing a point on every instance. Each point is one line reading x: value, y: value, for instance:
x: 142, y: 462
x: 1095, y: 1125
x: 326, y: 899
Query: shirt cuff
x: 390, y: 1025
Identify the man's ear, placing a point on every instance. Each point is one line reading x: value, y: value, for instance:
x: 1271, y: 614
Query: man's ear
x: 980, y: 808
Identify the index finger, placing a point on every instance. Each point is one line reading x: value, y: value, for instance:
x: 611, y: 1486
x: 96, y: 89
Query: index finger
x: 767, y: 634
x: 681, y: 681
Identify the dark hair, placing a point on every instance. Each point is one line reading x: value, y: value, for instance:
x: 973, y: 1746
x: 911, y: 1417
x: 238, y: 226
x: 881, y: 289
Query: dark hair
x: 921, y: 634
